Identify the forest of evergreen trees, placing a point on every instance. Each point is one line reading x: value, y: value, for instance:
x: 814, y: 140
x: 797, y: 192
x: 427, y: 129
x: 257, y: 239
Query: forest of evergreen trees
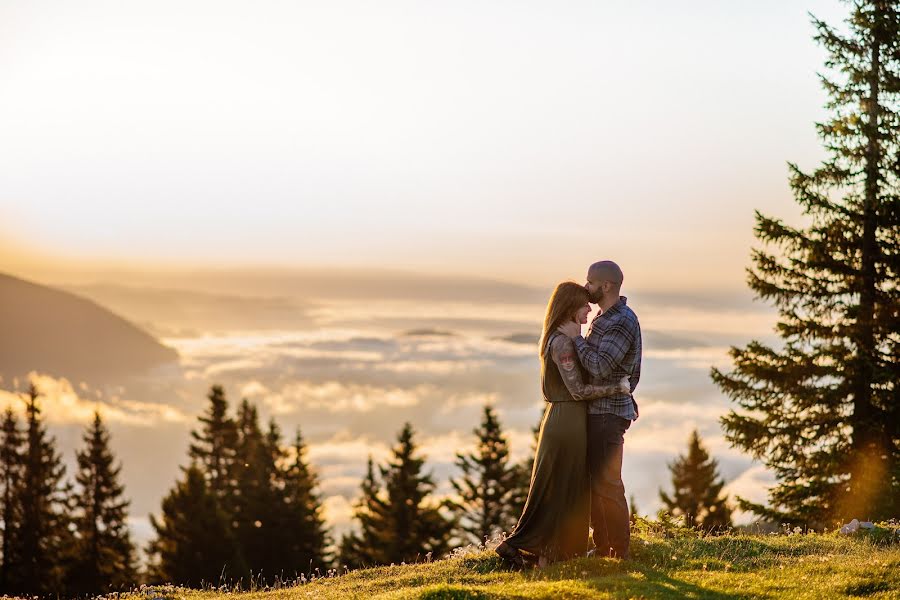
x: 246, y: 506
x: 61, y: 538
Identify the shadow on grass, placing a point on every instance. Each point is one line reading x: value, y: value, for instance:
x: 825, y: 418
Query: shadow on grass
x: 643, y: 581
x: 629, y: 579
x: 868, y: 588
x: 451, y: 592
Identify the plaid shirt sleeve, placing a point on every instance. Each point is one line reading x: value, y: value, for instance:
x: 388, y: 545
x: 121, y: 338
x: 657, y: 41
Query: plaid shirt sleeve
x: 601, y: 354
x: 636, y: 373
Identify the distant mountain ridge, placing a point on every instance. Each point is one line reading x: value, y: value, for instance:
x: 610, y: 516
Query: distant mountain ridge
x: 59, y: 333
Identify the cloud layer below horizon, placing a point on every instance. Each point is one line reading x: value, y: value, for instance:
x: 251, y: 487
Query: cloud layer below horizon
x: 351, y: 375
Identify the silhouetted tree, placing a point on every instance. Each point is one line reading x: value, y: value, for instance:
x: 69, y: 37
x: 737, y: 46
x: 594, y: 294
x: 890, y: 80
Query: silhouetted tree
x: 488, y: 483
x: 697, y: 489
x: 306, y: 534
x: 105, y: 557
x: 363, y: 549
x: 258, y: 527
x: 197, y: 534
x: 42, y: 544
x: 823, y: 411
x: 262, y: 496
x: 194, y: 541
x: 398, y: 522
x: 11, y: 467
x: 214, y: 445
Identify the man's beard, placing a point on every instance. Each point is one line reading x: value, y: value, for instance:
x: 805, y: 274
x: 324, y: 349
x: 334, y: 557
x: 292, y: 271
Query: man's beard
x: 596, y: 297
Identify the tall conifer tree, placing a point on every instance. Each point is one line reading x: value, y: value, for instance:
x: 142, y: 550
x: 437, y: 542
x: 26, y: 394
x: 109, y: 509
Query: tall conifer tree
x: 307, y: 536
x: 105, y: 557
x: 398, y: 522
x: 823, y: 411
x: 214, y: 444
x: 363, y: 549
x: 11, y: 466
x: 487, y: 487
x: 194, y: 538
x: 258, y: 526
x: 43, y: 541
x: 697, y: 489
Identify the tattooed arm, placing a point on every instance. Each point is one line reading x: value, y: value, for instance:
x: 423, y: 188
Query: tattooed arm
x: 564, y: 355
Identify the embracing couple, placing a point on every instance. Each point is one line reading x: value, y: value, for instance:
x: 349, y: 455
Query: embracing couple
x: 588, y: 386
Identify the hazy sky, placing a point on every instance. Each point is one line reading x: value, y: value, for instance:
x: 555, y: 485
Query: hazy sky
x: 513, y: 139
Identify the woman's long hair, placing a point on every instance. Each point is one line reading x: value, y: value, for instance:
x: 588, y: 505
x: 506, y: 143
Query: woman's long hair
x: 567, y: 298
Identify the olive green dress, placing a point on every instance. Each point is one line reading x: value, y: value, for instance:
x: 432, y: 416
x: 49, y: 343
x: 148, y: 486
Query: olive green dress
x: 554, y: 522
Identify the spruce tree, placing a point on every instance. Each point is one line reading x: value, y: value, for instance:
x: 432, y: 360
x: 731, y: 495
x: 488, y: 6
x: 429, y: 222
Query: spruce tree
x: 398, y: 522
x: 258, y: 527
x: 697, y: 489
x: 304, y: 525
x: 105, y: 557
x: 363, y: 549
x: 823, y: 410
x: 214, y: 445
x: 11, y: 466
x: 487, y: 487
x: 194, y: 540
x: 43, y: 542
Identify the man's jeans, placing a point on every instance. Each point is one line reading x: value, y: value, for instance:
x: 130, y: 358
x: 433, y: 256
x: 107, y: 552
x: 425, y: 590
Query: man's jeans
x: 609, y: 511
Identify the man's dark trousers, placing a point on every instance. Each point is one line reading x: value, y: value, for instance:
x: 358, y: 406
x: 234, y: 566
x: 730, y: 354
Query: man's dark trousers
x: 609, y: 510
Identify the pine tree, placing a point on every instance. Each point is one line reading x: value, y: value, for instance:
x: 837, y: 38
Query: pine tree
x: 697, y: 489
x: 398, y: 522
x: 43, y: 541
x: 823, y: 411
x: 363, y: 549
x: 488, y: 483
x: 307, y: 536
x: 11, y: 466
x: 105, y: 558
x: 214, y: 445
x: 194, y: 541
x: 258, y: 529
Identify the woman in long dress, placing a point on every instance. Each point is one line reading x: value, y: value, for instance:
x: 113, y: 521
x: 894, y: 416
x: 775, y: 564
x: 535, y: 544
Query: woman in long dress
x: 554, y: 523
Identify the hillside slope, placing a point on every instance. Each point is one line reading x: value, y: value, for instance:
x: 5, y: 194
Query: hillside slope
x: 61, y: 334
x: 800, y: 566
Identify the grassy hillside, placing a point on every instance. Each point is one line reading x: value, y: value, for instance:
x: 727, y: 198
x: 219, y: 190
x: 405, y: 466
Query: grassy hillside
x: 733, y: 566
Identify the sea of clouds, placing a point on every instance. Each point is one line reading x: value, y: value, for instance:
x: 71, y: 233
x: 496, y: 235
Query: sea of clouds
x: 349, y: 372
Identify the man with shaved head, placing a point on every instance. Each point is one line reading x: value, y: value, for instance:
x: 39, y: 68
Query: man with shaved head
x: 611, y: 351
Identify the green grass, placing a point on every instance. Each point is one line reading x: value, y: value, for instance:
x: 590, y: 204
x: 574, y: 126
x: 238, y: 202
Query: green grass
x: 730, y: 566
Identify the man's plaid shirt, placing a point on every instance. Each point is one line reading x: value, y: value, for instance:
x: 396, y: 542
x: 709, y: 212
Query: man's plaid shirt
x: 612, y: 351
